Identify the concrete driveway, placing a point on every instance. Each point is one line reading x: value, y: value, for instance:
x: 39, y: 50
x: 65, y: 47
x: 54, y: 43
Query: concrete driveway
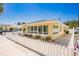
x: 9, y: 48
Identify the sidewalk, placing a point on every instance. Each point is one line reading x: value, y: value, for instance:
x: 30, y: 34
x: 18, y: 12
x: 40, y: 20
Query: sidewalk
x: 9, y: 48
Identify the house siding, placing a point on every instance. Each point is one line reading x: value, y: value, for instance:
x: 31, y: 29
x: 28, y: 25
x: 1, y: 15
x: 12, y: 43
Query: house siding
x: 50, y: 24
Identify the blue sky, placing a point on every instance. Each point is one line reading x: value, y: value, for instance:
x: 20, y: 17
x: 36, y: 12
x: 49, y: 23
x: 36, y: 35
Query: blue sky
x: 20, y: 12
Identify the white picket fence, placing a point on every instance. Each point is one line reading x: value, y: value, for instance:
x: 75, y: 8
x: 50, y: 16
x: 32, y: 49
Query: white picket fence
x: 48, y: 49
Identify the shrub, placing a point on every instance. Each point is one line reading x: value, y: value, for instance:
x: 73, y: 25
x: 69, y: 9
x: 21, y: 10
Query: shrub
x: 19, y: 34
x: 53, y: 41
x: 47, y: 38
x: 42, y: 39
x: 37, y: 37
x: 30, y: 35
x: 25, y: 35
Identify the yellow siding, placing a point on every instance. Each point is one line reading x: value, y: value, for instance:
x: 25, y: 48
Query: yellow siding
x: 50, y: 27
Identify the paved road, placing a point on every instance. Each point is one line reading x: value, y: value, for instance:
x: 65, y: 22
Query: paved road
x: 9, y: 48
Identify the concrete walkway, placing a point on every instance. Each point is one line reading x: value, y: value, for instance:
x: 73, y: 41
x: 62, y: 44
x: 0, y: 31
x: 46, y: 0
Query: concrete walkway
x: 9, y: 48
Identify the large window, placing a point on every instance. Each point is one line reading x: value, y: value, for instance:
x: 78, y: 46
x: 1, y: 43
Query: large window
x: 31, y: 29
x: 40, y: 29
x: 35, y: 29
x: 55, y: 29
x: 19, y: 29
x: 55, y: 26
x: 45, y: 29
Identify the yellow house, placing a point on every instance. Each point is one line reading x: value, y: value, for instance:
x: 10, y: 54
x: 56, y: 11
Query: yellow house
x: 51, y: 28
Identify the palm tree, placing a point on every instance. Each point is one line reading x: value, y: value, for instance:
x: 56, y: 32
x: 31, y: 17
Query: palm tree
x: 1, y: 8
x: 19, y: 23
x: 72, y: 23
x: 23, y: 23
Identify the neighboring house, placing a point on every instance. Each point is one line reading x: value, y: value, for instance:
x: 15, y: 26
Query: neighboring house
x: 7, y: 27
x: 51, y: 28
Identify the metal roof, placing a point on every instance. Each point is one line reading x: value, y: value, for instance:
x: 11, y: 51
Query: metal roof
x: 40, y: 21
